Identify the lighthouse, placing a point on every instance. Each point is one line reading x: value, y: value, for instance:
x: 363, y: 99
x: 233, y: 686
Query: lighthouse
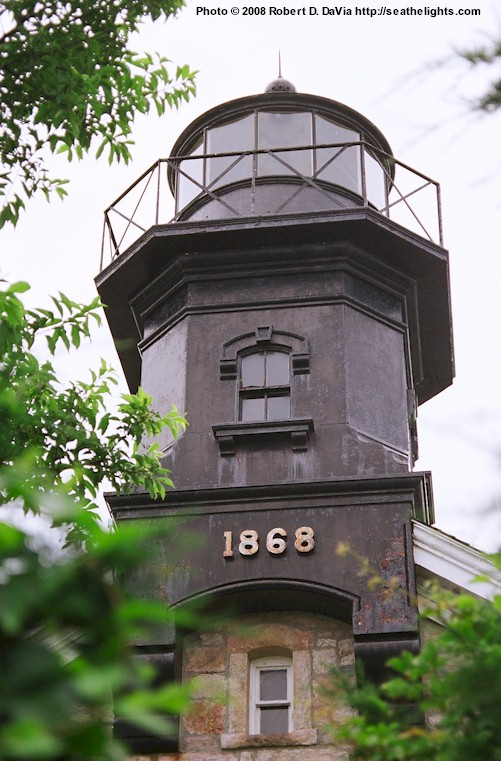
x: 297, y: 307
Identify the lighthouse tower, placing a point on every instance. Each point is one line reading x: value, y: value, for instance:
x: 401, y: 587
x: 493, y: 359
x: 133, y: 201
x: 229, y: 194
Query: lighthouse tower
x: 297, y: 308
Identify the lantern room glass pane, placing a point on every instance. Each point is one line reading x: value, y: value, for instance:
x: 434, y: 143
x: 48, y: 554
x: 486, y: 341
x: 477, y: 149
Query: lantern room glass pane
x: 191, y: 168
x: 277, y: 368
x: 344, y: 169
x: 236, y: 136
x: 253, y: 370
x: 273, y: 684
x: 375, y: 180
x: 274, y: 721
x: 284, y: 130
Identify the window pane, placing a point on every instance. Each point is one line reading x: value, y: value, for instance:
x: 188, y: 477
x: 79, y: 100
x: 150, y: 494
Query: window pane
x: 273, y: 684
x: 376, y: 181
x: 279, y: 407
x: 274, y: 720
x: 252, y: 370
x: 187, y: 190
x: 344, y: 170
x: 236, y: 136
x: 277, y: 368
x: 284, y: 131
x: 329, y: 132
x: 253, y: 409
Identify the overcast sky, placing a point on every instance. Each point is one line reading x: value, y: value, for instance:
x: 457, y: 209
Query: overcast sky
x: 387, y: 68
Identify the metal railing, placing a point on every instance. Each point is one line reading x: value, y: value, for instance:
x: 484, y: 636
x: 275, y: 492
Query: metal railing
x: 382, y: 182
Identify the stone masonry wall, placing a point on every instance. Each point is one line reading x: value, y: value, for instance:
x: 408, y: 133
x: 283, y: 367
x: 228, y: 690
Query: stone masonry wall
x: 216, y: 726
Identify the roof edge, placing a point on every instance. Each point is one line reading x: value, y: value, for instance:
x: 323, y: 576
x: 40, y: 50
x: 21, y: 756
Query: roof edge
x: 454, y: 562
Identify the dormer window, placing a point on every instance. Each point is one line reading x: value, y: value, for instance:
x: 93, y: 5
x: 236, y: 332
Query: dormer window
x: 263, y: 366
x: 265, y: 386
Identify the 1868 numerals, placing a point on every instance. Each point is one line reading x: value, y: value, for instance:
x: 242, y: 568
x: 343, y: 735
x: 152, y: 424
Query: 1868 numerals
x: 276, y: 541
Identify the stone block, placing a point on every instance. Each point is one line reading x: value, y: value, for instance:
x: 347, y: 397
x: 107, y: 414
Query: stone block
x: 204, y: 660
x: 346, y: 652
x: 300, y: 737
x: 212, y: 686
x: 204, y: 718
x: 324, y: 660
x: 211, y: 639
x: 325, y: 642
x: 295, y: 754
x: 199, y: 744
x: 329, y: 705
x: 302, y: 690
x: 238, y: 690
x: 199, y: 756
x: 270, y: 635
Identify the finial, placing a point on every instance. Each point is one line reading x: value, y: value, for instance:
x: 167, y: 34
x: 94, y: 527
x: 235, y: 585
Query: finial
x: 280, y: 84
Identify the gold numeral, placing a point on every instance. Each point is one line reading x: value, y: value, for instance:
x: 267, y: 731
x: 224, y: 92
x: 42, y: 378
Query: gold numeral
x: 248, y: 542
x: 274, y: 543
x: 305, y: 541
x: 228, y: 544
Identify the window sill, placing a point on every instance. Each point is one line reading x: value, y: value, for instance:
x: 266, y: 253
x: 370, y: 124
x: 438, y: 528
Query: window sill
x: 242, y: 740
x: 298, y: 429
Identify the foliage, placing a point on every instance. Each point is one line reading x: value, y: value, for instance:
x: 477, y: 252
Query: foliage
x: 67, y: 78
x: 455, y: 682
x: 65, y: 628
x: 65, y: 622
x: 489, y: 56
x: 66, y: 438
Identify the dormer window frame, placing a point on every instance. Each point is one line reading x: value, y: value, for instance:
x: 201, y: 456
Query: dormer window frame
x: 265, y: 336
x: 263, y: 339
x: 270, y: 384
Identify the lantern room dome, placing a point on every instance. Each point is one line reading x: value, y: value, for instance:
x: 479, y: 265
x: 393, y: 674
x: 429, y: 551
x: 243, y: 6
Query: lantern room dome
x: 280, y: 85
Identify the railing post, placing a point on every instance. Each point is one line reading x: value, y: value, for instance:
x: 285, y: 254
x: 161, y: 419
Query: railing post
x: 253, y: 182
x: 113, y: 240
x: 387, y: 192
x: 101, y: 263
x: 170, y: 164
x: 439, y: 212
x: 361, y: 148
x: 158, y: 192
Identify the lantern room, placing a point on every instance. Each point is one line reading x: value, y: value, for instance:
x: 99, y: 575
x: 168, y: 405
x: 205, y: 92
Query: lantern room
x: 277, y: 153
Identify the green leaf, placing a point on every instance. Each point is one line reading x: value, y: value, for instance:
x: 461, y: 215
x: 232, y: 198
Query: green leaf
x: 58, y: 305
x: 75, y: 336
x: 29, y: 738
x: 82, y: 87
x: 19, y: 287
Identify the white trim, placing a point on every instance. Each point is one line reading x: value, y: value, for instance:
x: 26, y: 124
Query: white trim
x: 456, y: 563
x: 271, y: 663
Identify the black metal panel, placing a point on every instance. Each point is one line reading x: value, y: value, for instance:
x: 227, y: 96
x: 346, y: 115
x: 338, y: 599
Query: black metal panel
x: 374, y: 654
x: 139, y: 740
x: 256, y: 243
x: 191, y: 561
